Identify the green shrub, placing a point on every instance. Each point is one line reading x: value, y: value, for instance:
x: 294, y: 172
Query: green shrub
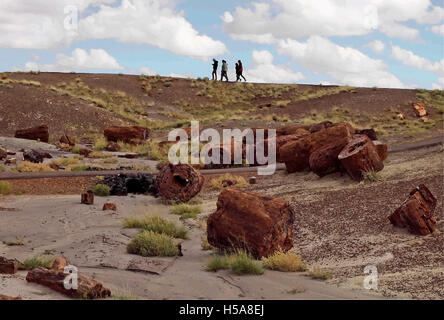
x: 371, y: 176
x: 186, y: 211
x: 218, y: 263
x: 5, y: 188
x: 101, y: 190
x: 43, y: 261
x: 156, y: 224
x: 152, y: 244
x: 80, y: 168
x: 239, y: 263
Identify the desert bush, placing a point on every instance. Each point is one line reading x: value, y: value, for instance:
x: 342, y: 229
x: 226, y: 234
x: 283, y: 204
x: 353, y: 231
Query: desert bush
x: 284, y: 261
x: 317, y: 273
x: 41, y: 261
x: 75, y: 149
x: 239, y: 263
x: 218, y: 262
x: 97, y: 155
x: 156, y: 224
x: 371, y: 176
x: 5, y: 188
x: 100, y: 143
x: 186, y: 211
x: 101, y: 190
x: 64, y: 162
x: 149, y: 244
x: 27, y: 166
x: 79, y: 168
x: 218, y: 183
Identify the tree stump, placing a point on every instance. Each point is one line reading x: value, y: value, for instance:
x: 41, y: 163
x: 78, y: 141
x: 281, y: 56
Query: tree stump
x: 416, y: 212
x: 87, y: 197
x: 296, y: 154
x: 88, y: 288
x: 381, y: 148
x: 179, y: 182
x: 255, y: 222
x: 40, y: 133
x: 360, y: 156
x: 8, y: 266
x: 133, y: 135
x: 325, y: 159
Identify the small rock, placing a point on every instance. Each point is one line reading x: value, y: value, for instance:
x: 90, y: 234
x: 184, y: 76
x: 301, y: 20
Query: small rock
x: 419, y: 109
x: 87, y: 197
x: 59, y: 264
x: 109, y: 206
x: 252, y: 180
x: 400, y: 116
x: 113, y: 147
x: 11, y: 161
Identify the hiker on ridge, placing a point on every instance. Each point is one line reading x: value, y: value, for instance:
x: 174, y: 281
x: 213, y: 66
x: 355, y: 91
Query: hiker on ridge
x: 237, y: 72
x: 224, y: 71
x: 241, y: 70
x: 215, y: 66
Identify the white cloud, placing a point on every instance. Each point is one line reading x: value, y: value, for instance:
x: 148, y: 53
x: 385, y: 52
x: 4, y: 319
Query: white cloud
x: 264, y: 71
x: 439, y: 30
x: 439, y: 85
x: 345, y: 65
x: 376, y: 45
x: 302, y: 18
x: 78, y: 61
x: 410, y: 59
x: 23, y: 24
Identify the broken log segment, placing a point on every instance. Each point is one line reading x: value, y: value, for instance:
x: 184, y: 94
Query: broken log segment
x: 325, y: 159
x: 87, y: 288
x: 382, y: 149
x: 179, y: 182
x: 360, y: 156
x: 133, y: 135
x: 8, y: 266
x: 87, y: 197
x: 257, y: 223
x: 40, y: 133
x: 416, y: 212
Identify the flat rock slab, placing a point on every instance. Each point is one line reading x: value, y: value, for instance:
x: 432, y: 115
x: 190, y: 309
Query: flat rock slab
x: 149, y: 265
x: 17, y: 144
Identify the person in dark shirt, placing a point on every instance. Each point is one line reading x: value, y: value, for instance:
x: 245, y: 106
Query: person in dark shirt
x: 241, y: 70
x: 215, y: 65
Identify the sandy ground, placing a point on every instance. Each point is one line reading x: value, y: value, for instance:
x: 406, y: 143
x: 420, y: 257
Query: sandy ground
x: 340, y: 225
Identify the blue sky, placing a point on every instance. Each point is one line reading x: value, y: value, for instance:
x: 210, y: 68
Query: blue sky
x: 362, y: 43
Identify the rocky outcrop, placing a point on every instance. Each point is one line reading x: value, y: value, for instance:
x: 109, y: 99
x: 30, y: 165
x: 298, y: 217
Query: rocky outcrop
x: 416, y: 212
x: 40, y: 133
x: 255, y: 222
x: 179, y: 182
x: 134, y: 134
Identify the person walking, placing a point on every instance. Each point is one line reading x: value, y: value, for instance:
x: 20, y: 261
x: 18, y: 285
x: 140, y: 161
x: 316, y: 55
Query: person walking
x: 224, y: 71
x: 215, y: 66
x: 241, y: 70
x: 237, y: 72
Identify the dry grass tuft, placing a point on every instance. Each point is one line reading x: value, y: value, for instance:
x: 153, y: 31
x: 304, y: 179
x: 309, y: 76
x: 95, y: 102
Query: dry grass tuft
x: 285, y: 261
x: 220, y: 183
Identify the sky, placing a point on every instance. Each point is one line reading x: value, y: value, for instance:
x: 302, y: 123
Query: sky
x: 370, y: 43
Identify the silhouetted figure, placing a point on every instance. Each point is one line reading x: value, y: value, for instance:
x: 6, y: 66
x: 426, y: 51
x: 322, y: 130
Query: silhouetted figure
x: 224, y: 71
x: 241, y: 71
x: 237, y: 72
x: 215, y: 66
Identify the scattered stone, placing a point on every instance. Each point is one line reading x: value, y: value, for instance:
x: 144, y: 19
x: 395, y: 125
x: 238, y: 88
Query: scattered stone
x: 88, y: 288
x: 3, y: 297
x: 371, y: 133
x: 122, y: 184
x: 296, y: 154
x: 360, y: 156
x: 35, y: 156
x: 133, y: 135
x: 179, y: 182
x: 252, y: 180
x: 419, y: 109
x: 325, y: 159
x: 39, y: 133
x: 59, y: 264
x: 65, y: 139
x: 87, y: 197
x: 109, y: 206
x: 416, y: 212
x: 8, y: 266
x: 382, y: 150
x: 258, y: 223
x: 113, y: 147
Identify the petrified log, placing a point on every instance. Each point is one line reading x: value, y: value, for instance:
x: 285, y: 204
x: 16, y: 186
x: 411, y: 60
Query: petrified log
x: 87, y: 197
x: 371, y: 133
x: 296, y: 154
x: 282, y: 140
x: 113, y: 147
x: 360, y: 156
x: 132, y: 134
x: 40, y: 133
x: 3, y: 153
x: 227, y: 151
x: 88, y: 288
x: 381, y: 148
x: 416, y: 212
x: 255, y: 222
x: 109, y: 206
x: 65, y: 139
x: 3, y: 297
x: 179, y: 182
x: 419, y: 109
x: 319, y: 126
x: 325, y: 159
x: 8, y: 266
x: 35, y: 156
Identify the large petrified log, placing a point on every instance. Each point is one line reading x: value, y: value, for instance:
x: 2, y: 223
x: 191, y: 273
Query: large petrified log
x: 8, y: 266
x: 36, y: 156
x: 416, y: 212
x: 88, y: 288
x: 37, y: 133
x: 312, y: 128
x: 296, y: 154
x: 255, y: 222
x: 132, y: 134
x: 3, y: 297
x: 325, y: 159
x: 360, y: 156
x: 381, y: 148
x: 179, y: 182
x: 281, y: 140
